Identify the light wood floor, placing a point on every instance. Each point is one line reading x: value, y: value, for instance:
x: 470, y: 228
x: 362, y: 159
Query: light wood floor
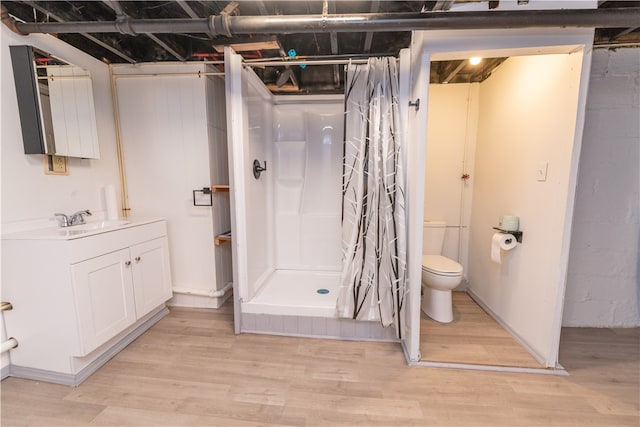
x: 473, y: 337
x: 190, y: 369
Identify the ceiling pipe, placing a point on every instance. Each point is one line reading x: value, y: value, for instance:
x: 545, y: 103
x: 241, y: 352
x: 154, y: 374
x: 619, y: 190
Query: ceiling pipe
x: 229, y: 26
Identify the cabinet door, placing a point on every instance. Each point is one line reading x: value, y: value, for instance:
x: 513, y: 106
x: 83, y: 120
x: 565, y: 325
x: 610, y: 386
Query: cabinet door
x: 104, y: 298
x: 151, y: 275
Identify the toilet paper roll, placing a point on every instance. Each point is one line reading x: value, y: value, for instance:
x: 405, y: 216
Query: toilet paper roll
x: 111, y: 202
x: 501, y: 242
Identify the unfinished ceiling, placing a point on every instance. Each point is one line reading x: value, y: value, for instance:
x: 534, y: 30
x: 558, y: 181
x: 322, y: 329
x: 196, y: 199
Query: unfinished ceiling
x: 120, y: 47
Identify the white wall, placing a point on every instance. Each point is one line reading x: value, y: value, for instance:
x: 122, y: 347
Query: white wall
x: 166, y: 155
x: 27, y: 193
x: 527, y: 116
x: 602, y: 283
x: 28, y: 196
x: 451, y: 135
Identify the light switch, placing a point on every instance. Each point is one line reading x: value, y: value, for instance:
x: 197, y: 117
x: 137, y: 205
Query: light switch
x: 542, y: 171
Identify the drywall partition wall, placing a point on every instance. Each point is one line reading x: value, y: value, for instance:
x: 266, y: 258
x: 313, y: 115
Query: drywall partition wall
x: 249, y: 127
x: 164, y: 137
x: 28, y: 194
x: 451, y: 132
x: 307, y: 174
x: 602, y: 282
x: 219, y: 172
x: 524, y: 152
x: 442, y: 45
x: 414, y: 86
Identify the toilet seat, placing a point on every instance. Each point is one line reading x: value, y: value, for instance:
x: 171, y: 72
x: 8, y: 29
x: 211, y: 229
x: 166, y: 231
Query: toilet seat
x: 441, y: 266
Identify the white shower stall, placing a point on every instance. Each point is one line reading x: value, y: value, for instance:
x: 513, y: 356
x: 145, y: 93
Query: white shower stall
x: 287, y: 222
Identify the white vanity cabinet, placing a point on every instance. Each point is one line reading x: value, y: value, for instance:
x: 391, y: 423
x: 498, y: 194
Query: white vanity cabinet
x: 80, y: 296
x: 114, y: 290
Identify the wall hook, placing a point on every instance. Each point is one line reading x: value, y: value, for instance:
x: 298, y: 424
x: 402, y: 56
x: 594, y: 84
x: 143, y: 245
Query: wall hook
x: 257, y: 169
x: 415, y: 104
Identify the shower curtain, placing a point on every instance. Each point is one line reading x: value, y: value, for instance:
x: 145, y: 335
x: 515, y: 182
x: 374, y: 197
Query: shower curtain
x: 374, y: 254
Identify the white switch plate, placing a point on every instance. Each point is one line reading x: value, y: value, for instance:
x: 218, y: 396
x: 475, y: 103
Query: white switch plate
x: 541, y: 174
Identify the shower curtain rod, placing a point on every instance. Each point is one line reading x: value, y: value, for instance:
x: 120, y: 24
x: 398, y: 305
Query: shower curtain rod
x: 282, y: 62
x: 196, y: 74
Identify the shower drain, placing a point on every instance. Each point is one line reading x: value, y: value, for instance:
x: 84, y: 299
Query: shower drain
x: 322, y: 291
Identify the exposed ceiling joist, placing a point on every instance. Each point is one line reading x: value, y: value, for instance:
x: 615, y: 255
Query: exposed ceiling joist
x: 262, y: 8
x: 443, y: 5
x: 187, y: 9
x: 166, y: 47
x: 121, y: 15
x: 368, y: 38
x: 455, y: 71
x: 84, y: 34
x: 330, y: 8
x: 622, y: 33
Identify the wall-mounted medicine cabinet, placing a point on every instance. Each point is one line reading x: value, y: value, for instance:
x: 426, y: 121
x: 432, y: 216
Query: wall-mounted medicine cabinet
x: 55, y: 100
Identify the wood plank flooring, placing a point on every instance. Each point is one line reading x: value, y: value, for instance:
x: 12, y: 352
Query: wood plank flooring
x: 191, y: 370
x: 473, y: 337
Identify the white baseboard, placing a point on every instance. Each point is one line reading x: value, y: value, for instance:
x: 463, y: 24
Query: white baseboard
x: 198, y: 301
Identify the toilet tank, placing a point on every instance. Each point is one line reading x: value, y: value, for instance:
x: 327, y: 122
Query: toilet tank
x: 433, y: 237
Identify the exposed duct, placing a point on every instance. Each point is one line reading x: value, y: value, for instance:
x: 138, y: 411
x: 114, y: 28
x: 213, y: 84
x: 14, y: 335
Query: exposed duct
x: 227, y: 25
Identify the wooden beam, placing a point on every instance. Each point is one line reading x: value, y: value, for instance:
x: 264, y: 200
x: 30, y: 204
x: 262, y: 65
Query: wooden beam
x: 251, y: 44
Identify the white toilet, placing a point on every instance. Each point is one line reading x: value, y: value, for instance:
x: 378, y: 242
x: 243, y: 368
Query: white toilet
x: 440, y: 275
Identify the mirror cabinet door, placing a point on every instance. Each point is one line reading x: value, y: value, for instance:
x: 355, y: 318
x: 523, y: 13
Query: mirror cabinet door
x: 55, y: 101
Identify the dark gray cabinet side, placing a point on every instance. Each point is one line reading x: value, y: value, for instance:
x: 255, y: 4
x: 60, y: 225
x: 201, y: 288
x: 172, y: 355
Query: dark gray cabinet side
x: 24, y: 76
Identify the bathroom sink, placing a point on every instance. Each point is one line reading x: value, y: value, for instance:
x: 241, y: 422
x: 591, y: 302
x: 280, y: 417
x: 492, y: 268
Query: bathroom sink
x: 89, y: 228
x: 76, y: 231
x: 98, y: 225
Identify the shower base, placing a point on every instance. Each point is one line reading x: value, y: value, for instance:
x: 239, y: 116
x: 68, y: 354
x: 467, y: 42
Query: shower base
x: 295, y: 292
x: 288, y: 303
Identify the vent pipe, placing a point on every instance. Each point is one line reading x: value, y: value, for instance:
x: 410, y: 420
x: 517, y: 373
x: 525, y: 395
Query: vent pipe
x: 227, y: 25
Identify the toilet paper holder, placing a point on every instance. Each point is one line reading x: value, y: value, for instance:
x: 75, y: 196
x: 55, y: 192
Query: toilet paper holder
x: 516, y: 234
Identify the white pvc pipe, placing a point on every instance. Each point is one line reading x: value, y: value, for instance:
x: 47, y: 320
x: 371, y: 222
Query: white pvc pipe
x: 203, y: 292
x: 8, y: 345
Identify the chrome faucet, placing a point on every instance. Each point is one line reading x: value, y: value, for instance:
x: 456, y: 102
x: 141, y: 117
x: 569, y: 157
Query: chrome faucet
x: 78, y: 217
x: 75, y: 219
x: 64, y: 220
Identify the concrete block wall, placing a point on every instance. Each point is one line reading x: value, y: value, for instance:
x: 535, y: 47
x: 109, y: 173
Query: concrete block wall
x: 602, y: 282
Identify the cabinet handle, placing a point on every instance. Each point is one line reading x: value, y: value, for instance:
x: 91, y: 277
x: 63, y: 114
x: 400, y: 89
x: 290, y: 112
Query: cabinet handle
x: 127, y: 263
x: 137, y: 259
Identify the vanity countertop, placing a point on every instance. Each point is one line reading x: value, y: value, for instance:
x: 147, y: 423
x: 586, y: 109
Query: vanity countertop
x: 78, y: 231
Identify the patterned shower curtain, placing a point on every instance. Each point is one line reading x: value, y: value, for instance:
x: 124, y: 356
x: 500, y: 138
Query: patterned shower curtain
x: 374, y: 271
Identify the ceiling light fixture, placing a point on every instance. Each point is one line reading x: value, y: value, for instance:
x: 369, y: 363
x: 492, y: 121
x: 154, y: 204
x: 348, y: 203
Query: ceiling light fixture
x: 475, y: 60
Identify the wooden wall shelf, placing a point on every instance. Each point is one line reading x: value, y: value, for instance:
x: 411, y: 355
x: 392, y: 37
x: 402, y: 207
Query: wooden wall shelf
x: 220, y: 188
x: 221, y: 238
